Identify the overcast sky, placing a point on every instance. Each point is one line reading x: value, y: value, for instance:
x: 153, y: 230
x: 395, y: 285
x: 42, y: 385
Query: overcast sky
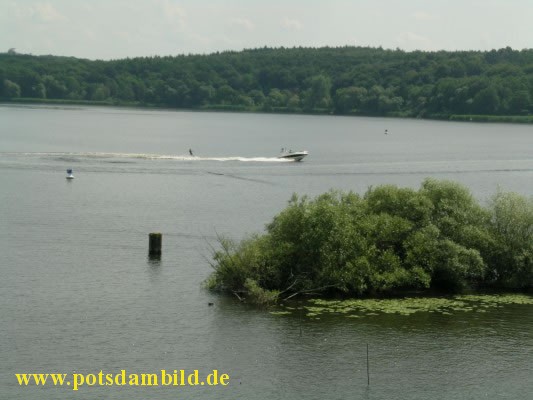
x: 112, y: 29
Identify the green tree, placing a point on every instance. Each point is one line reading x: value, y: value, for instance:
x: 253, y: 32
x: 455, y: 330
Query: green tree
x: 276, y: 98
x: 10, y: 89
x: 391, y: 239
x: 226, y: 95
x: 450, y: 265
x: 519, y: 102
x: 512, y: 228
x: 318, y: 95
x: 39, y: 91
x: 257, y: 96
x: 54, y: 88
x: 99, y: 92
x: 486, y: 101
x: 293, y: 102
x: 350, y: 99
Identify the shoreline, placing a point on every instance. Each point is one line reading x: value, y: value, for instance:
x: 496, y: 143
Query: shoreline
x: 512, y: 119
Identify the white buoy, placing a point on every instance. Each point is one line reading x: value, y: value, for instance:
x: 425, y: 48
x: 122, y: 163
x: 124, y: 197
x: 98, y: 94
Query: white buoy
x: 69, y: 174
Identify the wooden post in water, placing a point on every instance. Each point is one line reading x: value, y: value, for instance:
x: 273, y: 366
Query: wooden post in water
x: 367, y: 366
x: 300, y: 320
x: 154, y: 244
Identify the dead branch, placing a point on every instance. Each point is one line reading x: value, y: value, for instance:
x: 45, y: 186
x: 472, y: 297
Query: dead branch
x: 308, y: 291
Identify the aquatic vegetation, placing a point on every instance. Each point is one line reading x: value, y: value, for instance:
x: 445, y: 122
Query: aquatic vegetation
x: 489, y: 300
x: 361, y: 308
x: 280, y: 312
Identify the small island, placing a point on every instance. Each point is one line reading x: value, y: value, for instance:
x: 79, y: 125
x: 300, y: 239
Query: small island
x: 389, y: 241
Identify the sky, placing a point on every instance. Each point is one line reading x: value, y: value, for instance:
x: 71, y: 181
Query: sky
x: 116, y: 29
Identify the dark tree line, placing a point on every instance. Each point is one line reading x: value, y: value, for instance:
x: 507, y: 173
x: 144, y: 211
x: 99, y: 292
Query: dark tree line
x: 342, y: 80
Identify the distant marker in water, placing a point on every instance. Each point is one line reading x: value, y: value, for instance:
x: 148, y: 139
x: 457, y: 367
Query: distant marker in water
x: 69, y: 174
x: 155, y: 243
x: 367, y: 366
x: 386, y: 131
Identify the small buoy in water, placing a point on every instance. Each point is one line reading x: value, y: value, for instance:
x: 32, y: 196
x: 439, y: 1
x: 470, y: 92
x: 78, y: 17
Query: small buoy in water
x: 210, y: 304
x: 386, y: 131
x: 69, y: 174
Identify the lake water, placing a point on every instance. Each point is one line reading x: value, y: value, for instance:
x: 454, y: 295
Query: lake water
x: 79, y: 294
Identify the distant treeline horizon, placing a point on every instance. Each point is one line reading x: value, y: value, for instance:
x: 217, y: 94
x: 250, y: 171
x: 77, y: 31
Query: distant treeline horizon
x: 480, y: 85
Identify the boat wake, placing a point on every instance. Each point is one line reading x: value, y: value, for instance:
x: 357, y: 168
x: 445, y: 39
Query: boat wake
x: 129, y: 157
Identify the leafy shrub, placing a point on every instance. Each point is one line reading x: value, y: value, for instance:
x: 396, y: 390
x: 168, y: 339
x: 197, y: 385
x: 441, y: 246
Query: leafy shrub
x: 389, y: 240
x: 512, y: 230
x: 258, y: 295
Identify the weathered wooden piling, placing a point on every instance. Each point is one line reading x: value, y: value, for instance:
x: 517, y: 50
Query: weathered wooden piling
x: 367, y: 366
x: 154, y: 244
x: 300, y: 320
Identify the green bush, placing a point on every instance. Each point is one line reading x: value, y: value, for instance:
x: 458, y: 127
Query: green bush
x: 258, y: 295
x: 387, y: 241
x: 512, y: 230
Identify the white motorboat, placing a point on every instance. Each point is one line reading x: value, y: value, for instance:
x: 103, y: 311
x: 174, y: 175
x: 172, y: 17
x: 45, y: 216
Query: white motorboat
x: 293, y: 155
x: 69, y: 174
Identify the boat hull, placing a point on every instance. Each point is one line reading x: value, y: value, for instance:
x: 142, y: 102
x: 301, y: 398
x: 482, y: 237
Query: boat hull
x: 295, y: 156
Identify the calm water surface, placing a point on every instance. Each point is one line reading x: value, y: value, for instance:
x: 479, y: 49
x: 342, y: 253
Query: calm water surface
x: 78, y: 293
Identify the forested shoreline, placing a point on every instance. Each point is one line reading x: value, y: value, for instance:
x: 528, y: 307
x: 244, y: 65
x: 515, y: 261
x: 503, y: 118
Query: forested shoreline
x: 494, y: 85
